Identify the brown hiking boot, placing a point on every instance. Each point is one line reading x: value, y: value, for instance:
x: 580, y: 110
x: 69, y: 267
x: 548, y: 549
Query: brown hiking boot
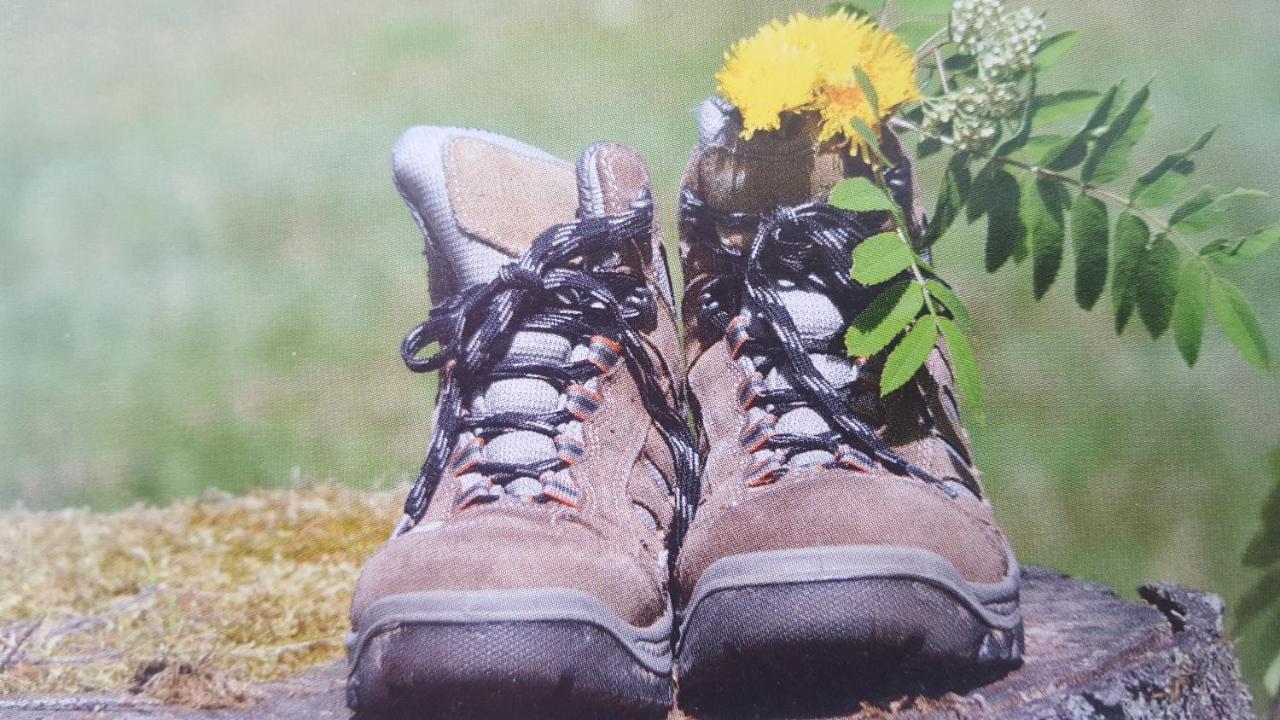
x: 839, y: 535
x: 529, y: 574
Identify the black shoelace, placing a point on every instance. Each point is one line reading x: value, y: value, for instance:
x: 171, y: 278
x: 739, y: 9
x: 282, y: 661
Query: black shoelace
x: 808, y: 247
x: 568, y: 283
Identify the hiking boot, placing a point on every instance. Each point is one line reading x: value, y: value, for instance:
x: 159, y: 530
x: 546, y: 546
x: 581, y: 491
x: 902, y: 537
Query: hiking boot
x: 528, y: 576
x: 839, y: 534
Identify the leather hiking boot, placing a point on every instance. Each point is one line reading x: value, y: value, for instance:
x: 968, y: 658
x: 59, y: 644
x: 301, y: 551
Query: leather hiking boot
x: 840, y: 535
x: 528, y: 576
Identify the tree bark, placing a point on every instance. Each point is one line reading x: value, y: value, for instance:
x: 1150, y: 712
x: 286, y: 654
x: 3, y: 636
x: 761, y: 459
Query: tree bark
x: 1089, y: 655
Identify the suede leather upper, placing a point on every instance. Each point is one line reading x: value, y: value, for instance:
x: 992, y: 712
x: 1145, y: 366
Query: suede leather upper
x: 612, y: 544
x: 818, y: 505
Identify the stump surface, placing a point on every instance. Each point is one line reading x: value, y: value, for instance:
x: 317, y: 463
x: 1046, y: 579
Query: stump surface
x: 1089, y: 654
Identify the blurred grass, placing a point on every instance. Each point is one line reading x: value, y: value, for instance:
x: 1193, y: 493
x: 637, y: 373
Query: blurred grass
x: 205, y: 271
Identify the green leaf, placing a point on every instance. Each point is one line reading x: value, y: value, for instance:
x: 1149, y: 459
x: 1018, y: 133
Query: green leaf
x: 952, y: 302
x: 882, y: 320
x: 1158, y: 285
x: 1110, y: 154
x: 1038, y: 147
x: 964, y: 366
x: 1230, y: 253
x: 1051, y: 109
x: 870, y: 138
x: 955, y: 187
x: 980, y: 193
x: 1132, y: 235
x: 1239, y: 323
x: 868, y: 89
x: 859, y: 195
x: 1073, y: 152
x: 1190, y: 309
x: 1162, y: 183
x: 1206, y: 209
x: 880, y: 258
x: 1046, y: 203
x: 917, y: 32
x: 1006, y: 233
x: 1090, y: 228
x: 1264, y: 548
x: 924, y: 7
x: 1054, y: 49
x: 910, y: 354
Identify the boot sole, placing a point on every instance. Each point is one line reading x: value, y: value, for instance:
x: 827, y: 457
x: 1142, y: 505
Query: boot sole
x: 775, y: 632
x: 551, y: 653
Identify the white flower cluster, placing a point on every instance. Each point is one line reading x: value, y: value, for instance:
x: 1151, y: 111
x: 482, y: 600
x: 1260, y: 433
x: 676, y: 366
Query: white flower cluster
x: 1004, y: 44
x: 1011, y: 48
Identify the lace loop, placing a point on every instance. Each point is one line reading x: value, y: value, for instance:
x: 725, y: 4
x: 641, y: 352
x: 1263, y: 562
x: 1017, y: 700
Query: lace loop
x: 811, y: 243
x: 558, y: 286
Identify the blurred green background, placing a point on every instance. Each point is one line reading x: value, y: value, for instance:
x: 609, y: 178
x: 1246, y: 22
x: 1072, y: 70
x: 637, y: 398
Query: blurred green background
x: 205, y: 271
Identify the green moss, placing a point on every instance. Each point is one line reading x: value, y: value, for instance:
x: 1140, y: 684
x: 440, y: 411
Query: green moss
x: 189, y: 602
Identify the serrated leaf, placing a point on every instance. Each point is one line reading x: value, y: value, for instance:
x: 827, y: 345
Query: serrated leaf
x: 1158, y: 285
x: 1230, y: 253
x: 964, y: 366
x: 909, y: 355
x: 1207, y: 209
x: 859, y: 195
x: 980, y: 193
x: 955, y: 188
x: 1037, y: 148
x: 876, y: 326
x: 1162, y: 183
x: 1090, y: 229
x: 1051, y: 109
x: 880, y: 258
x: 1054, y: 49
x: 1006, y: 233
x: 1190, y: 310
x: 1239, y: 323
x: 1068, y: 154
x: 952, y: 302
x: 1264, y: 548
x: 924, y: 7
x: 917, y: 32
x: 1110, y: 154
x: 1131, y: 238
x: 1043, y: 212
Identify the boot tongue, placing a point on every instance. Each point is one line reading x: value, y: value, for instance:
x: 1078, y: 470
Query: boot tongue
x: 787, y: 166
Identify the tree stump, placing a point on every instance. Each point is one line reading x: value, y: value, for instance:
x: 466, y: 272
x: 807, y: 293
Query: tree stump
x: 1089, y: 655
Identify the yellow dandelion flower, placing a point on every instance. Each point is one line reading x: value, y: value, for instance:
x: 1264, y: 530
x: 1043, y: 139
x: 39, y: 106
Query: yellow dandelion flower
x: 807, y: 64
